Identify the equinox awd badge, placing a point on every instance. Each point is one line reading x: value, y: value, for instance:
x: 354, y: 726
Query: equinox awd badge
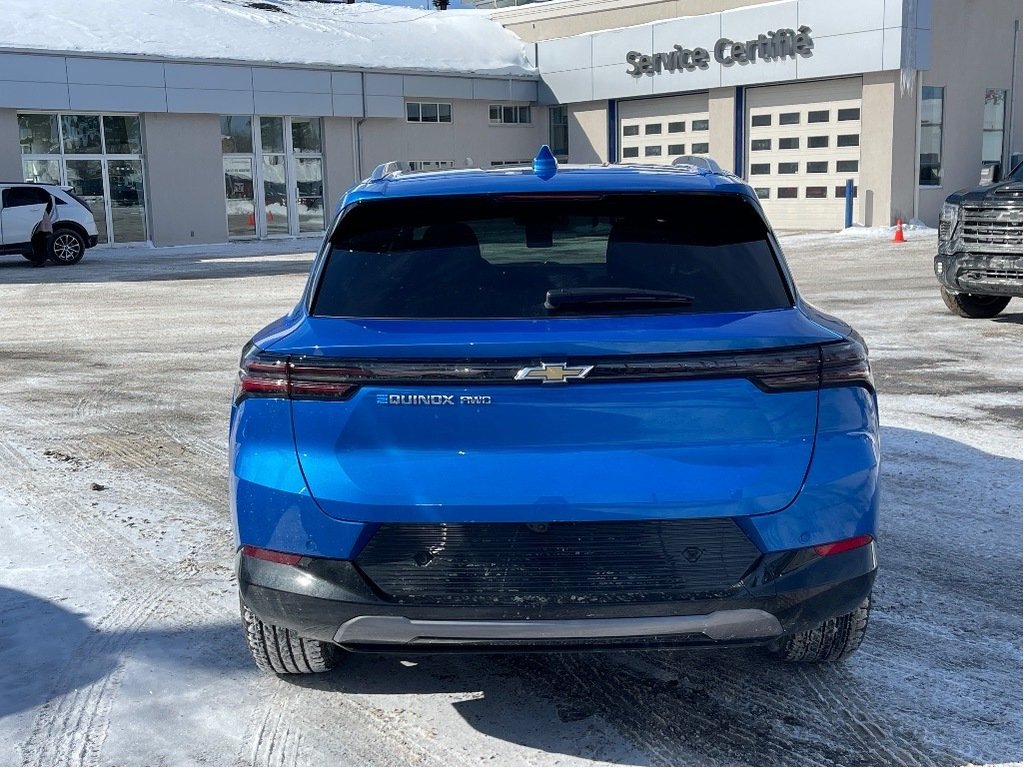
x: 556, y: 373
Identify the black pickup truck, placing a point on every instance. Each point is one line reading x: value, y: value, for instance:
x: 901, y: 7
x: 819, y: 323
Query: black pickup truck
x: 979, y: 264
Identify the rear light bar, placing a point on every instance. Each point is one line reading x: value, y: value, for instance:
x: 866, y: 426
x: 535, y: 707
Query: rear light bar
x: 800, y: 369
x: 271, y: 556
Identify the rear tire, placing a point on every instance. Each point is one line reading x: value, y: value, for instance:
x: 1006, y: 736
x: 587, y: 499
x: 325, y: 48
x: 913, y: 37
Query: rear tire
x: 66, y: 246
x: 973, y: 305
x: 832, y: 640
x: 280, y: 651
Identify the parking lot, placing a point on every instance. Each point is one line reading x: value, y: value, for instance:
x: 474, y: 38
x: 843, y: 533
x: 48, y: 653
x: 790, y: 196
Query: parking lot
x: 119, y: 635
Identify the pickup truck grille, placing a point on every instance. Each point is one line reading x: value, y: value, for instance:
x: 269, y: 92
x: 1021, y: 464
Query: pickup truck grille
x: 564, y: 563
x: 991, y: 229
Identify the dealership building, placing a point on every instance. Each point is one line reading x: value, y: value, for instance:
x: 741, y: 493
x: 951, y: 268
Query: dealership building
x: 178, y: 138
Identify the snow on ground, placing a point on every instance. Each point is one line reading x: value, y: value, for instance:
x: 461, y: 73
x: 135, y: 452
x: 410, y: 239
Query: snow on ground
x: 273, y: 31
x: 119, y: 634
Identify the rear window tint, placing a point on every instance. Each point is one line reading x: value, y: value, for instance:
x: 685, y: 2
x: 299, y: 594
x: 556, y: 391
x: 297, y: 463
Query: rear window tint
x: 496, y: 257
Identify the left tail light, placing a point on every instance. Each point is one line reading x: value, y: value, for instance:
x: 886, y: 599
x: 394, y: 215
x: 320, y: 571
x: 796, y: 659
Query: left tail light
x: 265, y: 374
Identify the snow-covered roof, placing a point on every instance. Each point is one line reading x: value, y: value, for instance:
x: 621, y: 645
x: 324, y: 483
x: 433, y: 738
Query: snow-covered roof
x: 312, y: 32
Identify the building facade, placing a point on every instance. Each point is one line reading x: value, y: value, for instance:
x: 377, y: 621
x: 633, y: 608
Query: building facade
x: 898, y: 101
x: 904, y: 101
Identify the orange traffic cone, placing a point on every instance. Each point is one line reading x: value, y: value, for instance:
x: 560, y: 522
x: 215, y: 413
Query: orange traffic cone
x: 251, y: 220
x: 898, y: 237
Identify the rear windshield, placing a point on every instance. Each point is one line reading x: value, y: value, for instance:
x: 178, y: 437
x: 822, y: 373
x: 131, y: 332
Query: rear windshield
x: 542, y: 256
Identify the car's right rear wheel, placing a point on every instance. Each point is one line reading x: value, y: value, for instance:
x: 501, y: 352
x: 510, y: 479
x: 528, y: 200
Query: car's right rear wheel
x: 832, y: 640
x: 66, y: 246
x: 281, y: 651
x: 974, y: 305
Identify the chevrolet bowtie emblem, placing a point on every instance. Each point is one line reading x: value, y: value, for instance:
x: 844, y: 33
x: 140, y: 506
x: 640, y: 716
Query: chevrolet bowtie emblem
x: 557, y: 373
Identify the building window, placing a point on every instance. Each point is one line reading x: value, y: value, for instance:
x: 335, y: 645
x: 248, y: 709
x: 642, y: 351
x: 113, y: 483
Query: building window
x: 652, y: 151
x: 758, y: 121
x: 847, y: 166
x: 786, y: 192
x: 789, y: 168
x: 760, y: 169
x: 992, y: 127
x: 819, y: 166
x: 436, y: 165
x: 789, y: 118
x: 273, y: 175
x: 504, y: 163
x: 763, y: 193
x: 760, y: 145
x: 848, y: 140
x: 816, y: 193
x: 428, y: 112
x: 816, y: 142
x: 700, y: 148
x: 631, y: 130
x: 792, y: 142
x: 677, y: 149
x: 677, y: 127
x: 652, y: 129
x: 841, y: 191
x: 699, y: 125
x: 630, y: 152
x: 502, y: 115
x: 930, y: 139
x: 853, y: 113
x: 558, y: 132
x: 817, y: 116
x: 99, y: 157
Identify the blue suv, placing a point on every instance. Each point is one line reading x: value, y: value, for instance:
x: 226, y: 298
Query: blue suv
x: 553, y: 408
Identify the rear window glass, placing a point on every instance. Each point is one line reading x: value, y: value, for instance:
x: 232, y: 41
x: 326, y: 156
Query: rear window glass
x: 497, y: 257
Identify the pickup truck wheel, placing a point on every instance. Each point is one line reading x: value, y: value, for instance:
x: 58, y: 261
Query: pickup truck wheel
x: 973, y: 305
x: 832, y: 640
x: 66, y: 246
x: 280, y: 651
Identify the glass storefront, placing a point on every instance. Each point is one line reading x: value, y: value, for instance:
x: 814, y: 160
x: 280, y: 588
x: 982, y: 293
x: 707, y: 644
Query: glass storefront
x: 99, y: 157
x: 273, y: 173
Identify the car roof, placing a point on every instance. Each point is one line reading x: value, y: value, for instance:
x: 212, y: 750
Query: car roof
x: 566, y: 179
x: 30, y: 184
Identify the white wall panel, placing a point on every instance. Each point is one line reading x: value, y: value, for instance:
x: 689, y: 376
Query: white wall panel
x: 760, y: 71
x: 285, y: 103
x: 857, y: 52
x: 523, y: 90
x: 115, y: 72
x: 295, y: 80
x: 346, y: 82
x: 208, y: 77
x: 383, y: 85
x: 747, y: 23
x: 385, y: 106
x: 492, y: 89
x: 438, y: 87
x: 571, y: 87
x: 612, y: 82
x: 695, y: 32
x: 34, y: 95
x: 210, y: 101
x: 98, y: 98
x: 33, y: 69
x: 347, y: 105
x: 827, y: 17
x: 612, y: 47
x: 892, y: 44
x: 893, y: 14
x: 566, y: 54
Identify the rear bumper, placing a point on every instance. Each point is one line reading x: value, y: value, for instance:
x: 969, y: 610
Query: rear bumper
x: 981, y: 274
x: 330, y: 600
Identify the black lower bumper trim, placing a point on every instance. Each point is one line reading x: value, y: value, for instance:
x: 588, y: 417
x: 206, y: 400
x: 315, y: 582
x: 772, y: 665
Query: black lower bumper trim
x: 981, y: 274
x: 318, y: 597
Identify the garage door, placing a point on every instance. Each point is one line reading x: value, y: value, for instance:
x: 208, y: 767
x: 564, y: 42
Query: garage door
x: 803, y: 143
x: 656, y: 131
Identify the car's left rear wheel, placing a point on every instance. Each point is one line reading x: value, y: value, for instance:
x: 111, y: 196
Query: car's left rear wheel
x: 832, y: 640
x: 66, y: 246
x: 281, y: 651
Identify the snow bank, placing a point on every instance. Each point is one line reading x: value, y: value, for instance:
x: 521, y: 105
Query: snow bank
x: 915, y: 230
x: 317, y: 32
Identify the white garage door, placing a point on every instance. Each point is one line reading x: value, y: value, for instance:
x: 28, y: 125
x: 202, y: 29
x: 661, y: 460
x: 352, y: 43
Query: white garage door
x: 803, y: 143
x: 656, y: 131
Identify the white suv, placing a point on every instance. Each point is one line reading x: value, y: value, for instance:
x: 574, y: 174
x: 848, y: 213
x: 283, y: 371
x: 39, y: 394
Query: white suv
x: 21, y: 208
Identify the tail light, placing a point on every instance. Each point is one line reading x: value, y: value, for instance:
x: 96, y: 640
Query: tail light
x: 845, y: 364
x: 271, y: 556
x: 823, y: 550
x: 264, y: 374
